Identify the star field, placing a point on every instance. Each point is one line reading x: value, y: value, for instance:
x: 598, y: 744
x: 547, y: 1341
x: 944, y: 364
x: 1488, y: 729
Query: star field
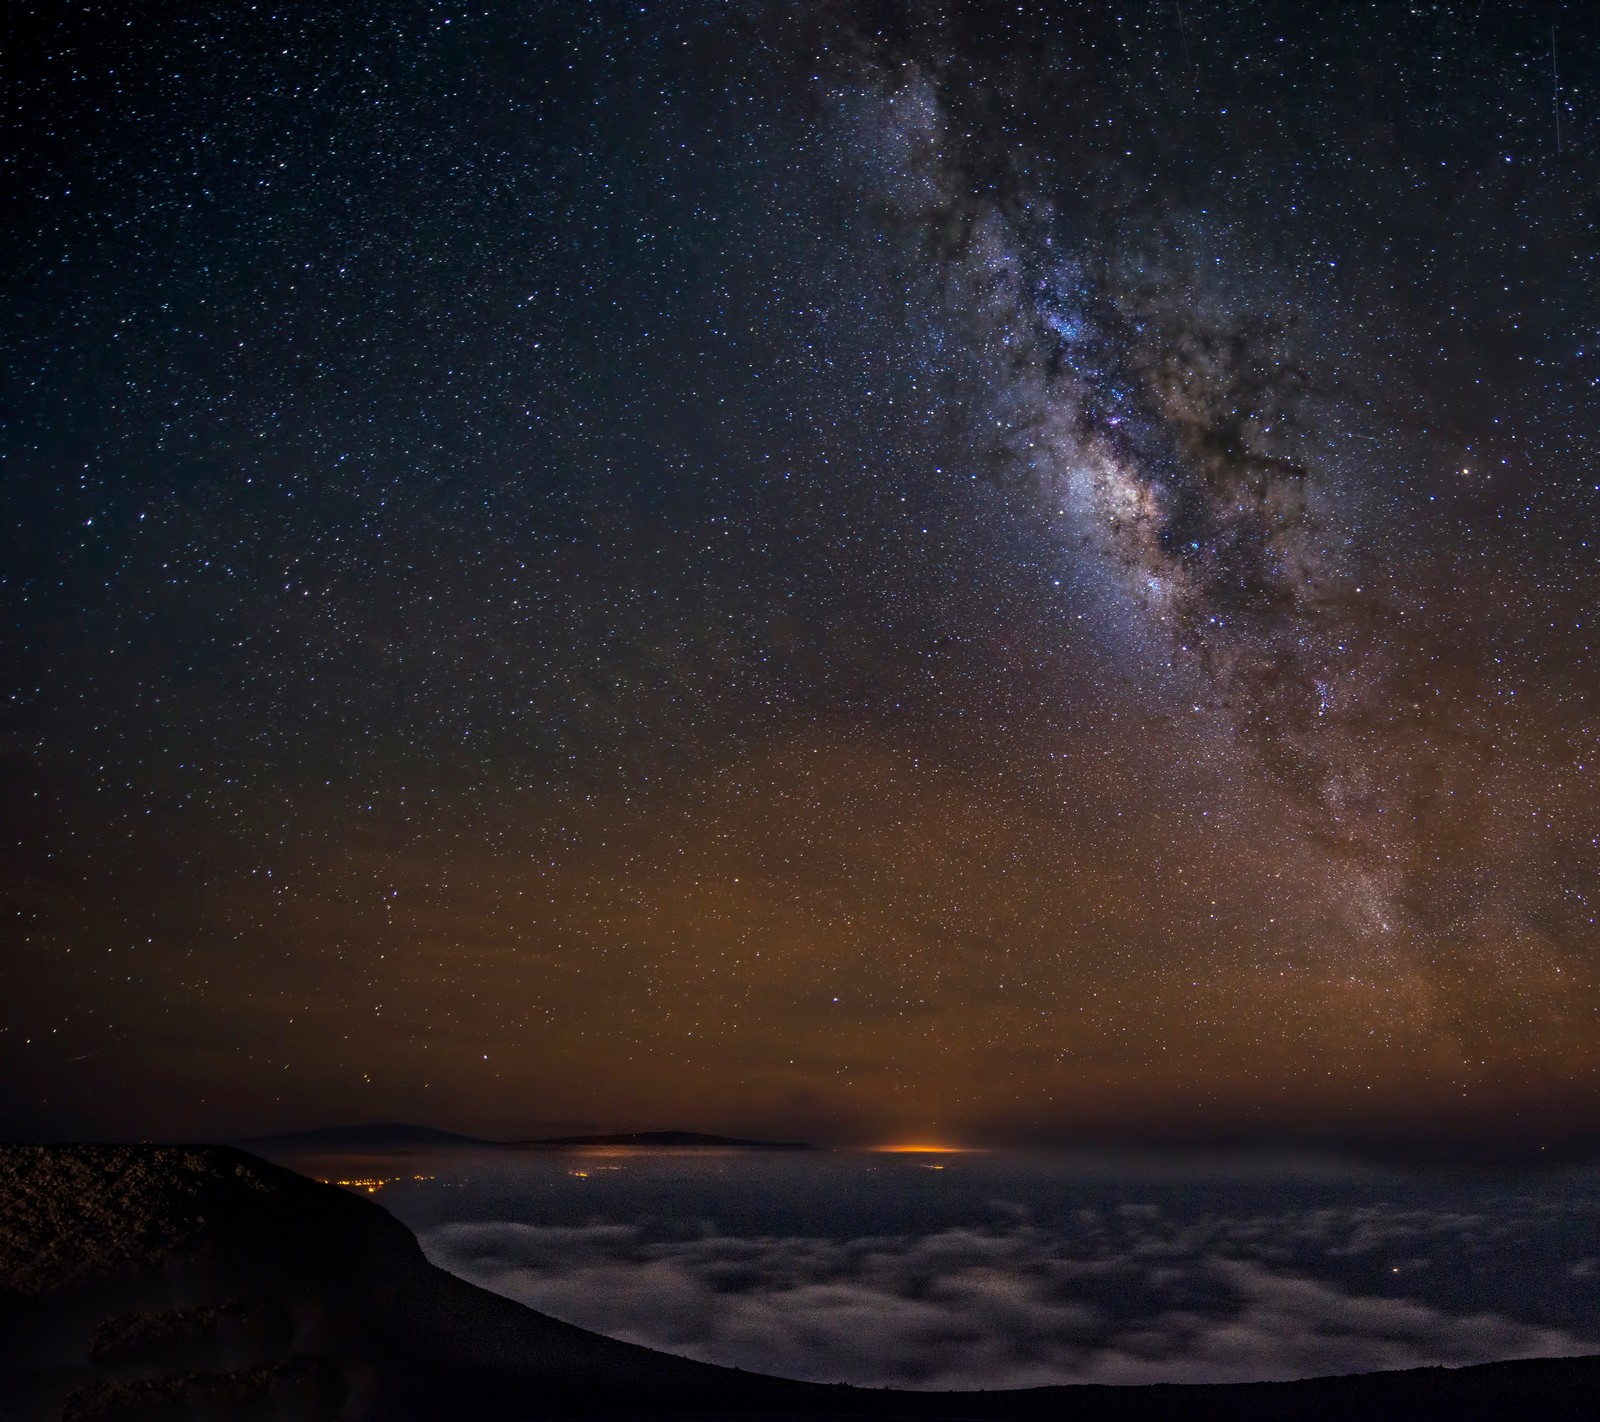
x: 848, y: 569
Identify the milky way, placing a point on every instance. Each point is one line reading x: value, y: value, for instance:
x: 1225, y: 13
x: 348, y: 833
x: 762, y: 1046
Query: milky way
x: 1196, y: 393
x: 847, y: 568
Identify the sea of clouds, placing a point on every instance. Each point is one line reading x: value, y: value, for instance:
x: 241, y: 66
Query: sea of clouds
x: 1129, y: 1295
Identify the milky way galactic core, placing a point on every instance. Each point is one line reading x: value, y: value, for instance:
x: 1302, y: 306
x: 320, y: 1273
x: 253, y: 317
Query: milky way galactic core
x: 866, y: 570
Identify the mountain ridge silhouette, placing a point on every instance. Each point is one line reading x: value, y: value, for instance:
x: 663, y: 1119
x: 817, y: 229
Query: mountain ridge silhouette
x: 146, y: 1282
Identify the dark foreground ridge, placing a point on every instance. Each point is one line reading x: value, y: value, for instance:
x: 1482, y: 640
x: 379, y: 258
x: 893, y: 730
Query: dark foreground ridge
x: 166, y: 1282
x: 658, y: 1139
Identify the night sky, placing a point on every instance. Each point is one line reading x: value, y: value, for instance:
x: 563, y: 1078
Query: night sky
x: 978, y: 572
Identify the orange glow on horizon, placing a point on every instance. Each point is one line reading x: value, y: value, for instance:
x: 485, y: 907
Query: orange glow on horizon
x: 920, y: 1148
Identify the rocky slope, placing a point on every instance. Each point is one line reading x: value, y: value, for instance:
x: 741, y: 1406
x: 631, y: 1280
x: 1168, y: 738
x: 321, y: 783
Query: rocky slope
x: 163, y: 1282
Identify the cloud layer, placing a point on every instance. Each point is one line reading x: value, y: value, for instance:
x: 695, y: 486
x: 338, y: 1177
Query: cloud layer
x: 1128, y: 1298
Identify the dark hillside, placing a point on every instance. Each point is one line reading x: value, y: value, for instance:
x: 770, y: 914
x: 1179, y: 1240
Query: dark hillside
x: 149, y: 1282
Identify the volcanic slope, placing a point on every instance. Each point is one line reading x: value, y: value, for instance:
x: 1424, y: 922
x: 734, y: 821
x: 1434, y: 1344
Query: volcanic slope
x: 150, y: 1282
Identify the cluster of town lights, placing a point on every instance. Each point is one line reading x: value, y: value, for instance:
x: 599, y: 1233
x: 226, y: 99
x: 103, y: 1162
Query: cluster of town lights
x: 373, y: 1184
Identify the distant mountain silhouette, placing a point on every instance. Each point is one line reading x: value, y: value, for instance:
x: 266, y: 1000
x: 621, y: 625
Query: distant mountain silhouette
x: 666, y: 1138
x: 400, y: 1135
x: 389, y: 1135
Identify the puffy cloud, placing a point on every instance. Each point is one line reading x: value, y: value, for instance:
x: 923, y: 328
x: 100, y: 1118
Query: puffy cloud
x: 1127, y: 1297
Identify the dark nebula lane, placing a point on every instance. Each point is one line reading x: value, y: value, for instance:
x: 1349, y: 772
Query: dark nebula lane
x: 843, y: 570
